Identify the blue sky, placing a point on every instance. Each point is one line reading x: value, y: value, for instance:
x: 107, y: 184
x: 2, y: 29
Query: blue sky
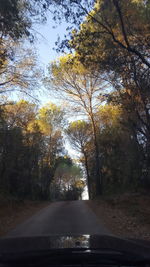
x: 46, y: 38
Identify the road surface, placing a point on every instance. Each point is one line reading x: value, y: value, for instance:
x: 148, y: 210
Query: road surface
x: 61, y: 218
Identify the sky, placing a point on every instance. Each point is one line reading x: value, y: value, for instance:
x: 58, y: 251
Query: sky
x: 47, y: 36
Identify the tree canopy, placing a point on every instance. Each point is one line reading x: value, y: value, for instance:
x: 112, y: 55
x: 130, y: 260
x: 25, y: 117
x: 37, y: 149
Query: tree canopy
x: 104, y: 81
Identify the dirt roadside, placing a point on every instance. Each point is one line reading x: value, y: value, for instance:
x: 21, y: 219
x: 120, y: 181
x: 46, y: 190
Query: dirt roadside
x: 125, y: 216
x: 15, y: 212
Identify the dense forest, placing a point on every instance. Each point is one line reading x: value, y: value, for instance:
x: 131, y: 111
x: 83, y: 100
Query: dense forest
x: 104, y: 79
x: 32, y: 154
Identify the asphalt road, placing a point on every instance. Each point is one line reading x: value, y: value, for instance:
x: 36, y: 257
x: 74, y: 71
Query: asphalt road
x: 61, y: 218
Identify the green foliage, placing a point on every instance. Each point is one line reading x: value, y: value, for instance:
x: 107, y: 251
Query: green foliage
x: 50, y: 118
x: 28, y: 153
x: 12, y: 22
x: 110, y: 66
x: 113, y: 43
x: 17, y: 17
x: 18, y: 70
x: 82, y: 88
x: 31, y: 161
x: 112, y: 31
x: 78, y: 133
x: 120, y: 152
x: 68, y: 183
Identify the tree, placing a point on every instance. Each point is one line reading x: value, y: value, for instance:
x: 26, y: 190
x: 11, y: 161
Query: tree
x: 79, y: 135
x: 114, y: 39
x: 18, y: 71
x: 17, y: 65
x: 20, y: 114
x: 50, y: 119
x: 113, y: 26
x: 82, y: 89
x: 68, y: 183
x: 28, y: 158
x: 18, y: 149
x: 121, y: 155
x: 18, y: 16
x: 135, y: 116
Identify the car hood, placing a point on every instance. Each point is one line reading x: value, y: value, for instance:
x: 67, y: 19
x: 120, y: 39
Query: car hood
x: 89, y: 242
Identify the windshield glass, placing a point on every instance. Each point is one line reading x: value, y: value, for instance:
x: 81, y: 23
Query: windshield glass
x: 75, y: 121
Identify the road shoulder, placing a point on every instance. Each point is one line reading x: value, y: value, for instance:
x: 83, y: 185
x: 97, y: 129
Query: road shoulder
x: 125, y: 216
x: 15, y: 212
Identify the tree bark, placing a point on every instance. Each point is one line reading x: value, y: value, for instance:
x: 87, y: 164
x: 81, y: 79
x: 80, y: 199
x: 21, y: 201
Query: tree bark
x: 97, y: 161
x: 87, y: 174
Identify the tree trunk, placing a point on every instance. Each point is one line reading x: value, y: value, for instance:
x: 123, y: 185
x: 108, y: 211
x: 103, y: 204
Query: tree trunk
x: 87, y: 173
x: 148, y: 162
x: 97, y: 161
